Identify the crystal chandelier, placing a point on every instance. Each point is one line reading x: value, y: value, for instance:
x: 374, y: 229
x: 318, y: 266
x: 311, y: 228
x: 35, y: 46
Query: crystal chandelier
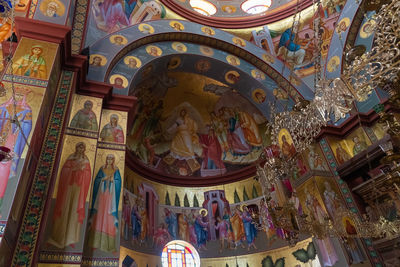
x: 333, y: 100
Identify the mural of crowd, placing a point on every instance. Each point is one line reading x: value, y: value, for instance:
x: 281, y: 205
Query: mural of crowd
x: 188, y: 140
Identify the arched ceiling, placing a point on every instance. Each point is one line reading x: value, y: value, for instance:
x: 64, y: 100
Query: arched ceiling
x: 230, y: 15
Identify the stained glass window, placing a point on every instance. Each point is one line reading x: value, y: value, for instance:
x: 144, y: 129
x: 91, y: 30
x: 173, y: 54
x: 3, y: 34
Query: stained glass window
x: 179, y: 253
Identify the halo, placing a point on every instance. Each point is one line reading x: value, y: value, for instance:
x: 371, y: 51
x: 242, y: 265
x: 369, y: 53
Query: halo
x: 124, y: 80
x: 229, y: 57
x: 334, y: 60
x: 284, y: 132
x: 203, y: 29
x: 159, y: 51
x: 124, y: 40
x: 253, y: 95
x: 138, y: 62
x: 241, y: 42
x: 60, y: 10
x: 146, y: 28
x: 365, y: 34
x: 174, y: 62
x: 206, y: 50
x: 346, y: 21
x: 103, y: 59
x: 254, y: 74
x: 201, y: 210
x: 268, y: 58
x: 172, y: 23
x: 175, y: 47
x: 233, y: 72
x: 242, y: 207
x: 226, y: 6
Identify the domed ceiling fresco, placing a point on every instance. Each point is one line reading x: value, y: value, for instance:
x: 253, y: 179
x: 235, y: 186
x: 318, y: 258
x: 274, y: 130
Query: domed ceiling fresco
x: 195, y: 127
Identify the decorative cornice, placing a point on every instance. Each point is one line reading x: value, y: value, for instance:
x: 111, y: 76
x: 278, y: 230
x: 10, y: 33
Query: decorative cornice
x: 176, y: 180
x: 238, y: 23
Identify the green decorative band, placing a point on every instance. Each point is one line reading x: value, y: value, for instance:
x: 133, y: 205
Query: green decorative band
x: 78, y: 27
x: 27, y: 238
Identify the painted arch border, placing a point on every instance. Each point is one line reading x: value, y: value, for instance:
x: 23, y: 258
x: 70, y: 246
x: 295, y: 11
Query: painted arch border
x: 193, y: 33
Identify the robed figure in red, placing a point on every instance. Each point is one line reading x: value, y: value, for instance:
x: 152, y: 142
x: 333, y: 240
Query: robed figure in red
x: 70, y: 210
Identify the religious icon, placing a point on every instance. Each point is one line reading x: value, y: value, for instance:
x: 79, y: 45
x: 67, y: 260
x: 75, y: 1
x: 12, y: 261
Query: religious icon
x: 207, y: 51
x: 359, y: 145
x: 173, y: 63
x: 97, y: 60
x: 12, y: 136
x: 268, y: 58
x: 315, y: 160
x: 289, y: 48
x: 176, y: 25
x: 228, y: 9
x: 203, y: 65
x: 286, y: 143
x: 208, y: 31
x: 85, y: 118
x: 367, y: 29
x: 280, y: 94
x: 153, y: 50
x: 31, y: 65
x: 257, y: 74
x: 232, y: 76
x: 52, y: 8
x: 234, y: 61
x: 349, y: 226
x: 112, y: 132
x: 341, y: 154
x: 104, y: 207
x: 146, y: 28
x: 179, y: 47
x: 132, y: 62
x: 239, y: 42
x: 333, y: 64
x: 258, y: 95
x: 118, y: 39
x: 73, y: 187
x: 343, y: 25
x: 118, y: 81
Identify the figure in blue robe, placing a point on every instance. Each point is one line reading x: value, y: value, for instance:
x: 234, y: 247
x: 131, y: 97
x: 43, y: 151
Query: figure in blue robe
x: 104, y: 209
x: 136, y: 224
x: 249, y: 228
x: 287, y: 47
x: 129, y: 7
x: 172, y: 222
x: 201, y: 229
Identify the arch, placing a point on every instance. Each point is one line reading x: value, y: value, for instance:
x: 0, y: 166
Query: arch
x: 197, y: 34
x: 188, y: 252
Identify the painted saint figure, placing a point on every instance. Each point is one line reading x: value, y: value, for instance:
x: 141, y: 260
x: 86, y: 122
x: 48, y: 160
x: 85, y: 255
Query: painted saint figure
x: 104, y: 208
x: 13, y: 136
x: 185, y: 139
x: 341, y: 154
x: 201, y: 228
x: 85, y: 118
x: 126, y: 218
x: 31, y: 65
x: 359, y: 145
x: 237, y: 227
x: 288, y: 49
x: 249, y: 228
x: 172, y: 222
x: 70, y: 207
x: 109, y: 15
x: 112, y: 132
